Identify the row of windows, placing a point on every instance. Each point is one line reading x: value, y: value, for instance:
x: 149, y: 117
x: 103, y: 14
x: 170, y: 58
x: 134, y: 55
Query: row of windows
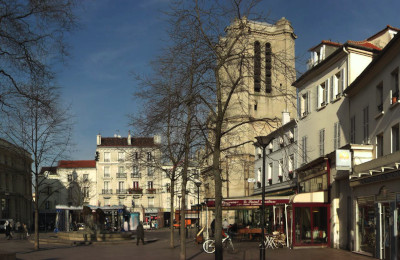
x: 133, y: 156
x: 281, y: 170
x: 328, y: 91
x: 74, y: 177
x: 257, y: 67
x: 394, y: 91
x: 121, y: 201
x: 121, y: 172
x: 121, y: 185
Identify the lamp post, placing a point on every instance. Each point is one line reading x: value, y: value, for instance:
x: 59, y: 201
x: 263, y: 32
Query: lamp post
x: 179, y: 219
x: 198, y: 184
x: 262, y: 142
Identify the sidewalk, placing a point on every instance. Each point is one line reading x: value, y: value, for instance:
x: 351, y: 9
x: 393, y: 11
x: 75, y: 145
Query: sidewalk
x: 159, y: 248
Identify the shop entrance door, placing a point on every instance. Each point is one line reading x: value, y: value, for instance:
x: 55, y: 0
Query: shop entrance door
x: 385, y: 226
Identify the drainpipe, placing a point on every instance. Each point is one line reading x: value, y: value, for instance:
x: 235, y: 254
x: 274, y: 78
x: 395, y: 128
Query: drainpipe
x: 348, y: 67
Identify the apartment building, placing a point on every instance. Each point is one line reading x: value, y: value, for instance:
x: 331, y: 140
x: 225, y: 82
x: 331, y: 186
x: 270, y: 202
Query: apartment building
x: 280, y: 180
x: 15, y: 183
x: 69, y: 184
x: 129, y: 175
x: 374, y: 116
x: 322, y: 209
x: 194, y: 194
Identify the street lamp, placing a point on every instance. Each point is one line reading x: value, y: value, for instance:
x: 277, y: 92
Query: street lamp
x: 179, y: 219
x: 198, y: 184
x: 262, y: 142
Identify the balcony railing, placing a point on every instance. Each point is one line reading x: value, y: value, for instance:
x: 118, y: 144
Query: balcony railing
x: 135, y: 191
x: 121, y: 175
x: 151, y: 191
x: 106, y: 191
x: 107, y: 175
x: 122, y: 191
x: 135, y: 175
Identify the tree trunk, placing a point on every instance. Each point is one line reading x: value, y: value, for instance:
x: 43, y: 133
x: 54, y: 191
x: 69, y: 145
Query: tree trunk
x: 218, y: 200
x: 36, y: 220
x: 171, y: 216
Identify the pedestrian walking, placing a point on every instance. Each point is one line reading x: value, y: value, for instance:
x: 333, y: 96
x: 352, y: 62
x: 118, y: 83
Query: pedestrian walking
x: 212, y: 227
x: 8, y: 230
x: 140, y: 233
x: 25, y: 231
x: 225, y: 225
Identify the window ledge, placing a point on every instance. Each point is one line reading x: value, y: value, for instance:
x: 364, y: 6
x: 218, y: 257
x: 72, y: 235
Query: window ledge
x: 338, y: 97
x: 379, y: 114
x: 394, y: 104
x: 304, y: 115
x: 321, y: 107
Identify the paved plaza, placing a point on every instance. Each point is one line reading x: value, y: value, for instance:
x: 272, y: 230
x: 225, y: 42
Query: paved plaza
x: 157, y: 247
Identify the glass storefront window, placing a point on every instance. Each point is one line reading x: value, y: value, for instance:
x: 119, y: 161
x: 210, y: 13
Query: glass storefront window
x: 320, y: 229
x: 398, y: 229
x: 366, y: 227
x: 303, y: 225
x: 311, y: 225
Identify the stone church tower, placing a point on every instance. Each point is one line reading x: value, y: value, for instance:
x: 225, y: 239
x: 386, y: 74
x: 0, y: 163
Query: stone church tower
x: 265, y: 92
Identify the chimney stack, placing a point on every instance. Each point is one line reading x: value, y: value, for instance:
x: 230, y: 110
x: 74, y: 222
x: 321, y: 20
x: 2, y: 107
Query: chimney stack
x: 285, y: 117
x: 157, y: 139
x: 98, y: 139
x: 129, y: 138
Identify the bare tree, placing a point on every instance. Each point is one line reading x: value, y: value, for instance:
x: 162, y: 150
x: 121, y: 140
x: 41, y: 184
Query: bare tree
x: 222, y: 64
x: 42, y: 128
x: 32, y: 37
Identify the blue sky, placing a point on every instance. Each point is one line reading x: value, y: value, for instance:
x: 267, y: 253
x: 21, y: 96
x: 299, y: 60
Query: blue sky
x: 118, y: 37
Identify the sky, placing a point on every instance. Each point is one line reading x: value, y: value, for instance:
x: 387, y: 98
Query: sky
x: 119, y: 38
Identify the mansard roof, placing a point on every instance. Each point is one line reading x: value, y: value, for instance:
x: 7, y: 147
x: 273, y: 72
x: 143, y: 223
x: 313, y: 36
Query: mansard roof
x: 77, y: 164
x: 123, y: 141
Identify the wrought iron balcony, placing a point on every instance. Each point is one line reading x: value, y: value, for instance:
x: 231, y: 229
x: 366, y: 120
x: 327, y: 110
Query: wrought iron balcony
x: 106, y: 191
x: 122, y: 191
x: 121, y: 175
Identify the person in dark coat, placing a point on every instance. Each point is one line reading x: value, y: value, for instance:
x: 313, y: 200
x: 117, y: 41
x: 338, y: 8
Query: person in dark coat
x: 140, y: 233
x: 212, y: 227
x: 8, y: 230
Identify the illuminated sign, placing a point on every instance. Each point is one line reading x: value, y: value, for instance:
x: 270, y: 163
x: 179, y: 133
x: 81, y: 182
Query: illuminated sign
x: 343, y: 160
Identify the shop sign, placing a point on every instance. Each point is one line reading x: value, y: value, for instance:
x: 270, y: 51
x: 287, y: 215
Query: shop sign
x: 150, y: 210
x: 238, y: 203
x: 343, y: 160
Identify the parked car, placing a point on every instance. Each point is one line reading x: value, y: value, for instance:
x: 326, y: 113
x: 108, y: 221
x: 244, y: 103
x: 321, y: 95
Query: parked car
x: 146, y: 225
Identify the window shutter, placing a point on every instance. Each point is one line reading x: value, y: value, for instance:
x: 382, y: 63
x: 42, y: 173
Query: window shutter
x: 330, y: 89
x: 338, y: 135
x: 298, y: 105
x: 342, y: 87
x: 308, y: 102
x: 318, y: 97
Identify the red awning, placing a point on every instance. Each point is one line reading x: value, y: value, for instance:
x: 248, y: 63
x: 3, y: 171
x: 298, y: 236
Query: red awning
x: 250, y: 202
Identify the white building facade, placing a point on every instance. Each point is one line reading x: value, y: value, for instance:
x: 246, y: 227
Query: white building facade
x: 128, y: 174
x: 322, y: 209
x: 374, y: 111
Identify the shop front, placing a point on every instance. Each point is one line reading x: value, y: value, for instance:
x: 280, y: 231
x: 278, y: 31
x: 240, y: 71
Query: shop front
x: 377, y: 207
x: 247, y: 215
x: 151, y: 216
